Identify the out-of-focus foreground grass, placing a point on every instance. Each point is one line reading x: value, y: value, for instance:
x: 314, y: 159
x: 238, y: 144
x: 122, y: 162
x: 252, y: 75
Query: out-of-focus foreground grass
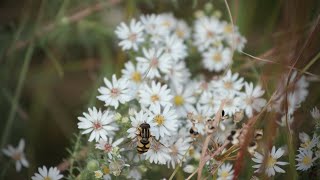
x: 54, y: 54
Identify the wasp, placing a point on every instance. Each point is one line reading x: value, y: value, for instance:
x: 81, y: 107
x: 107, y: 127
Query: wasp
x: 144, y: 138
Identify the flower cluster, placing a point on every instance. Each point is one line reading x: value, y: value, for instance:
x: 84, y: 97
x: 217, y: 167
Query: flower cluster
x: 156, y: 89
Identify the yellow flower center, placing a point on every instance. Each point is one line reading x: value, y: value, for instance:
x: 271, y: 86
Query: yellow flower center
x: 306, y: 144
x: 47, y: 178
x: 178, y: 100
x: 136, y: 76
x: 306, y: 160
x: 271, y: 162
x: 155, y: 98
x: 224, y: 174
x: 228, y: 28
x: 106, y: 170
x: 191, y: 151
x: 217, y: 57
x: 166, y: 23
x: 159, y: 119
x: 180, y: 33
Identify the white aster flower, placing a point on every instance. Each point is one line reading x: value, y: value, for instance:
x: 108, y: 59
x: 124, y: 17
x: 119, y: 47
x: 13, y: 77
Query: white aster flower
x: 135, y: 174
x: 136, y: 120
x: 208, y: 32
x: 315, y: 113
x: 225, y: 172
x: 305, y: 160
x: 285, y: 118
x: 167, y: 20
x: 208, y: 100
x: 298, y: 85
x: 272, y: 165
x: 232, y: 104
x: 217, y: 59
x: 115, y: 92
x: 184, y: 100
x: 175, y: 48
x: 158, y: 153
x: 99, y: 124
x: 306, y: 142
x: 98, y: 174
x: 252, y: 99
x: 165, y: 119
x: 109, y: 147
x: 230, y: 83
x: 44, y: 174
x: 189, y: 169
x: 134, y: 75
x: 178, y: 149
x: 153, y: 28
x: 154, y: 62
x: 178, y: 74
x: 200, y: 116
x: 182, y: 30
x: 155, y: 95
x: 131, y: 37
x: 17, y: 154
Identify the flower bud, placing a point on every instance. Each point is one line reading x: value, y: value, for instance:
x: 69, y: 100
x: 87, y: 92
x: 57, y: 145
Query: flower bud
x: 93, y: 165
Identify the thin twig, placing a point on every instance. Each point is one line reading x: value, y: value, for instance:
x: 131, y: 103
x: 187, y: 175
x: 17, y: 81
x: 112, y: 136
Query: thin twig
x: 205, y: 158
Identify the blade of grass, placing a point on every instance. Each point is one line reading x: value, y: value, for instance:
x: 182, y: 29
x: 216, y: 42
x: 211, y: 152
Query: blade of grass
x: 17, y: 94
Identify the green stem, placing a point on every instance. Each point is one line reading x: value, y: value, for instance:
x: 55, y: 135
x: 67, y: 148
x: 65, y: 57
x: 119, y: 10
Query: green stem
x: 17, y: 94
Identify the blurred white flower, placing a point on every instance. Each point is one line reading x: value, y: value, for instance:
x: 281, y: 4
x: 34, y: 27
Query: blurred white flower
x: 252, y: 99
x: 131, y: 37
x: 115, y: 92
x: 305, y: 160
x: 189, y: 168
x: 178, y: 150
x: 154, y: 28
x: 182, y: 30
x: 44, y: 174
x: 109, y: 147
x: 207, y: 32
x: 167, y: 20
x: 158, y: 153
x: 154, y: 62
x: 178, y: 74
x: 17, y: 155
x: 99, y: 124
x: 225, y: 172
x: 217, y: 59
x: 155, y: 95
x: 134, y: 174
x: 272, y: 165
x: 231, y: 83
x: 135, y: 76
x: 306, y: 142
x: 175, y: 48
x: 315, y: 113
x: 232, y: 103
x: 98, y: 174
x: 200, y: 116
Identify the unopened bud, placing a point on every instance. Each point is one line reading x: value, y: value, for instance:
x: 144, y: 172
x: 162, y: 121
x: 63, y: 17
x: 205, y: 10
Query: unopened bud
x: 93, y: 165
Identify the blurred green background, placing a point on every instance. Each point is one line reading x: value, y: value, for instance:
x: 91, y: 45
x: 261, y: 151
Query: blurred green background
x: 54, y: 54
